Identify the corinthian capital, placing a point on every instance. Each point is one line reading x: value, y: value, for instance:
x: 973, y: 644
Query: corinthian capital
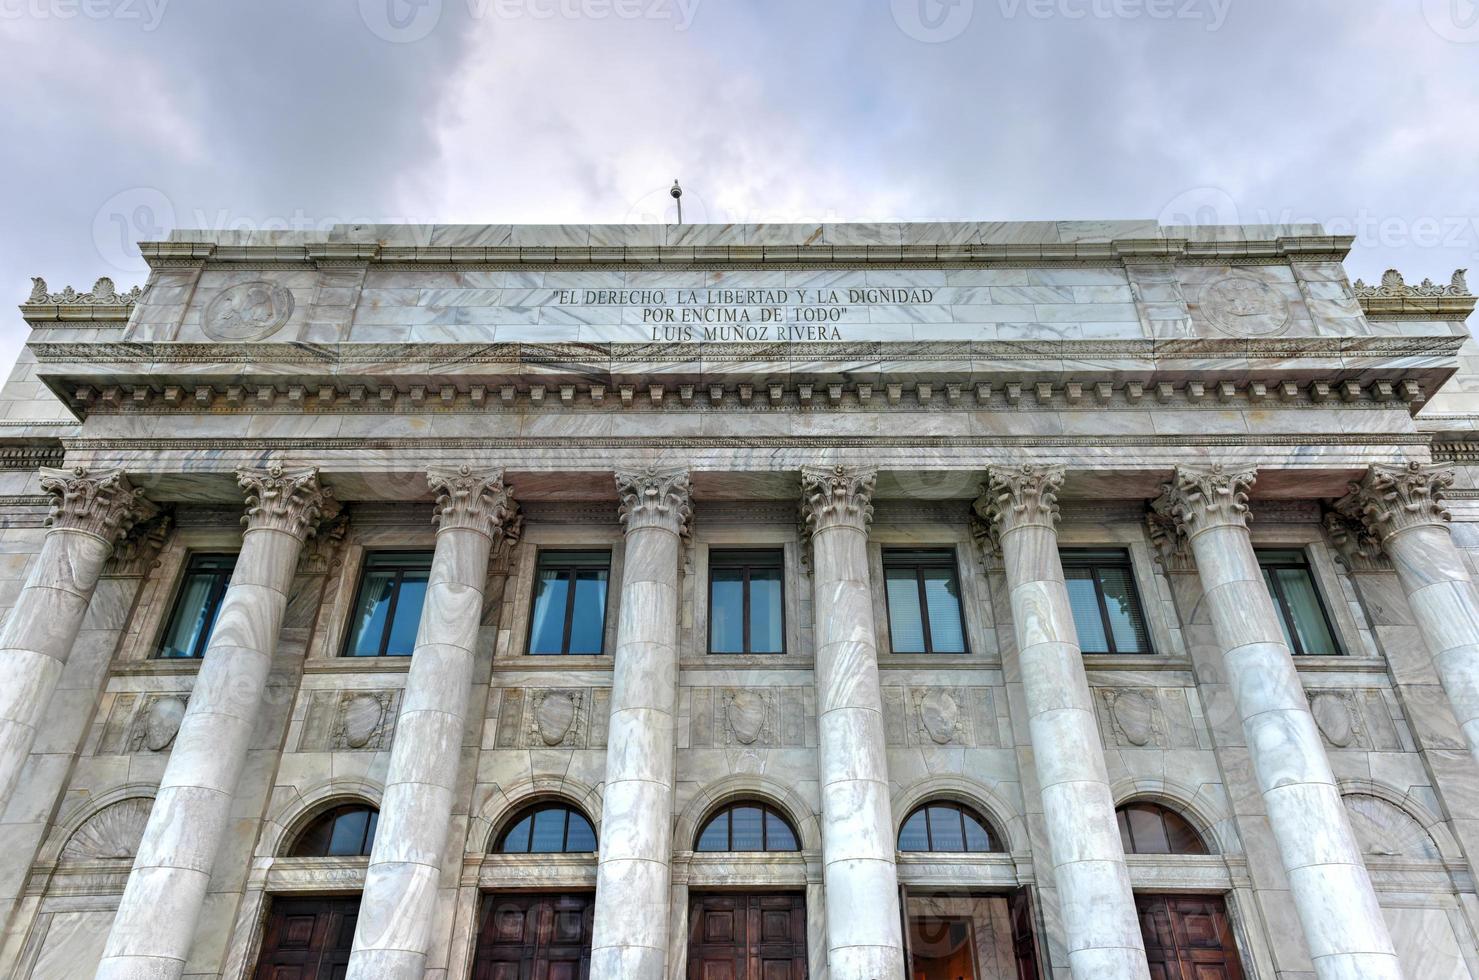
x: 833, y: 496
x: 476, y: 501
x: 654, y: 497
x: 1391, y: 499
x: 1199, y: 497
x: 283, y: 500
x: 104, y: 504
x: 1018, y: 496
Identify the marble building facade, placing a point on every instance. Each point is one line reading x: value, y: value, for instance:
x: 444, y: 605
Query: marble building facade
x: 1086, y: 600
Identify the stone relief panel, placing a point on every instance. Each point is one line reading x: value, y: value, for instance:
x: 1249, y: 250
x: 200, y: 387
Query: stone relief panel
x: 926, y: 716
x: 349, y: 721
x: 1385, y: 830
x: 247, y: 311
x: 750, y: 717
x: 1241, y: 306
x: 113, y: 832
x: 548, y: 718
x: 142, y: 723
x: 1150, y: 718
x: 1355, y: 718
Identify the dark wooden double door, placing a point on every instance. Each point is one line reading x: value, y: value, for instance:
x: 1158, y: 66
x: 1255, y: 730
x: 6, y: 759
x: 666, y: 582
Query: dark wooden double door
x: 747, y: 937
x: 1188, y: 938
x: 535, y: 937
x: 308, y: 939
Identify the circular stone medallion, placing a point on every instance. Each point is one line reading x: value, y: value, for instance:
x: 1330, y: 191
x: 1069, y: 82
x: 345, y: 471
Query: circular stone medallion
x: 555, y: 715
x: 746, y: 713
x: 247, y: 311
x: 1245, y: 307
x: 939, y: 712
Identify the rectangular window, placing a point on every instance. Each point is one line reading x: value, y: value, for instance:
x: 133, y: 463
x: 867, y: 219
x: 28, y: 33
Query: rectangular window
x: 1106, y: 606
x: 196, y: 606
x: 569, y: 614
x: 746, y: 611
x: 387, y: 608
x: 1301, y: 613
x: 923, y: 591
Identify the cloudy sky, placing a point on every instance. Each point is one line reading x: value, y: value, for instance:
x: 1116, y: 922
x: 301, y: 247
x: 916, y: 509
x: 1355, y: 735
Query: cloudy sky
x: 123, y: 118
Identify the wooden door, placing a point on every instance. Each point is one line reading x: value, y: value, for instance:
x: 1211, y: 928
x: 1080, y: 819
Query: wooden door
x: 1188, y: 938
x: 747, y: 937
x: 534, y: 937
x: 308, y: 939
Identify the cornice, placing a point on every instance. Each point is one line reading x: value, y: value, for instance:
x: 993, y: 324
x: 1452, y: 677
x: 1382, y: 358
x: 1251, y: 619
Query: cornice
x: 1308, y: 248
x: 1393, y: 298
x: 103, y: 302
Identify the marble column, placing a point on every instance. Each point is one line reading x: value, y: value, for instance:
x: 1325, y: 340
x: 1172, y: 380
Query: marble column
x: 155, y: 925
x: 1100, y: 924
x: 858, y: 846
x: 90, y: 513
x: 1401, y: 510
x: 475, y: 510
x: 1332, y: 892
x: 636, y: 841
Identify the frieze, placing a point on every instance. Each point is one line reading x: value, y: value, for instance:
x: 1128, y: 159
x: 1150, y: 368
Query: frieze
x: 1150, y: 718
x: 140, y: 723
x: 547, y: 718
x: 750, y: 717
x: 934, y: 716
x: 349, y: 721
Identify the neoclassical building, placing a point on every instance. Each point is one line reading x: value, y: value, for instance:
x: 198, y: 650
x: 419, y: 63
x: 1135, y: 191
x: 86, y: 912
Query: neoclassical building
x: 941, y: 601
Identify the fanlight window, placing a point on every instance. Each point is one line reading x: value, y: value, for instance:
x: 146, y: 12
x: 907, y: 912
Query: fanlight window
x: 344, y: 831
x: 1148, y: 828
x: 947, y: 827
x: 747, y: 827
x: 548, y: 828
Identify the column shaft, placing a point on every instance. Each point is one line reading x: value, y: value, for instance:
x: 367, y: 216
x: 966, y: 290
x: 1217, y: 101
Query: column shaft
x: 89, y: 515
x: 1401, y: 508
x: 155, y: 925
x: 1332, y: 892
x: 394, y: 933
x: 635, y: 850
x: 858, y: 848
x: 1102, y: 929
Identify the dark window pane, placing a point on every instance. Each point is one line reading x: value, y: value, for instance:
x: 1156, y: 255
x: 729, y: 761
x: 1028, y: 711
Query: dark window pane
x: 581, y: 836
x: 727, y: 610
x: 778, y: 836
x: 1123, y: 607
x: 1084, y: 602
x: 746, y: 829
x: 1183, y: 839
x: 407, y: 615
x: 516, y: 841
x: 1147, y: 831
x: 348, y: 835
x: 715, y: 837
x: 550, y: 597
x: 371, y: 612
x: 945, y: 829
x: 977, y: 839
x: 189, y: 620
x: 914, y: 835
x: 549, y: 832
x: 370, y: 833
x: 1268, y: 581
x: 588, y: 621
x: 1303, y: 603
x: 766, y: 615
x: 942, y: 597
x: 906, y: 628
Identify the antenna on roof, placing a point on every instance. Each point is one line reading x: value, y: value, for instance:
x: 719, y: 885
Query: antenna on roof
x: 677, y: 193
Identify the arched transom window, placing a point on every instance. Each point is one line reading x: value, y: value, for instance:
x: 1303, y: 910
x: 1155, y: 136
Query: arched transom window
x: 747, y: 827
x: 1149, y: 828
x: 548, y: 828
x: 344, y: 831
x: 947, y: 827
